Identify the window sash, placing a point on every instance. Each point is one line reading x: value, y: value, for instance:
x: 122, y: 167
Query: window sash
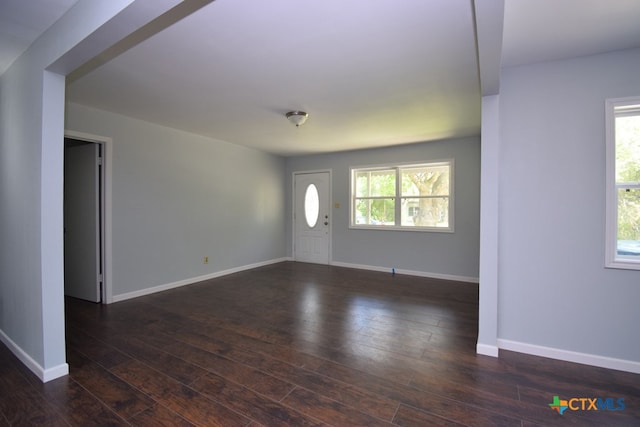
x: 363, y: 218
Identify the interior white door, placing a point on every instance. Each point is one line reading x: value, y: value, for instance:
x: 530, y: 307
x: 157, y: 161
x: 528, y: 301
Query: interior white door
x: 82, y: 221
x: 311, y: 217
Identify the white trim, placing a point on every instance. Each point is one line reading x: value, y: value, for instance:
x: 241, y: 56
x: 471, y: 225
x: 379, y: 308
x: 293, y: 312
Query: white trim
x: 407, y: 272
x: 190, y: 281
x: 45, y: 375
x: 401, y: 228
x: 55, y: 372
x: 571, y: 356
x: 107, y: 156
x: 487, y: 350
x: 612, y: 259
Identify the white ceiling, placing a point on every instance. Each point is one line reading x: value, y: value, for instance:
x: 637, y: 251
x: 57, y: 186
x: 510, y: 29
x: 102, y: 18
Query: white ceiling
x: 22, y: 21
x: 369, y: 72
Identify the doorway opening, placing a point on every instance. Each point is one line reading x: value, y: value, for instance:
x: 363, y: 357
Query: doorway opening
x: 87, y: 217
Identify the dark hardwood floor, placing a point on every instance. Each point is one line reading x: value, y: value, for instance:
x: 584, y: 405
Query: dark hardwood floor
x: 301, y: 344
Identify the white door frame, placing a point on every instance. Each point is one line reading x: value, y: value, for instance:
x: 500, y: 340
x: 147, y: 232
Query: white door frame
x: 293, y: 209
x: 107, y: 224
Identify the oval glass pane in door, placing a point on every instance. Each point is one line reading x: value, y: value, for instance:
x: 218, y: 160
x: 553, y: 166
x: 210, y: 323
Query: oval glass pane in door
x: 311, y: 205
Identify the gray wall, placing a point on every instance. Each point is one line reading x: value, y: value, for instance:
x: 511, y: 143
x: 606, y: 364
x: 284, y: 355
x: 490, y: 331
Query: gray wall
x: 178, y: 197
x: 553, y: 288
x: 454, y: 254
x: 31, y: 166
x: 20, y: 215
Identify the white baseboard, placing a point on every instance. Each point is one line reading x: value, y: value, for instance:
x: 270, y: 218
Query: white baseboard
x: 55, y: 372
x: 571, y: 356
x: 45, y: 375
x: 408, y: 272
x: 192, y: 280
x: 487, y: 350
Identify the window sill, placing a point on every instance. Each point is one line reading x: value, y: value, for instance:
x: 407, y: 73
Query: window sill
x: 396, y: 228
x: 623, y: 264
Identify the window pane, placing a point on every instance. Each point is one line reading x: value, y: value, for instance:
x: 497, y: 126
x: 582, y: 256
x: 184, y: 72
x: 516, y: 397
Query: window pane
x: 425, y: 181
x: 425, y: 212
x: 628, y: 149
x: 375, y: 211
x: 629, y: 222
x: 311, y: 205
x: 376, y: 183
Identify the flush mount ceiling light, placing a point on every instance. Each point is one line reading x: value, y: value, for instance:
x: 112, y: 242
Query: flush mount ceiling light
x: 297, y: 117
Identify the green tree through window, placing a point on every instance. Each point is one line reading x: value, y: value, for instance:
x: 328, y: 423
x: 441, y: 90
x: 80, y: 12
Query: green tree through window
x: 410, y: 196
x: 627, y: 174
x: 426, y: 184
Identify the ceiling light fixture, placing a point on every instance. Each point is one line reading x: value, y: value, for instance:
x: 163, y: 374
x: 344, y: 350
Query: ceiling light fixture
x: 297, y: 117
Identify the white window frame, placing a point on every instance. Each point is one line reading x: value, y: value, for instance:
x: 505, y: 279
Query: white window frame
x: 612, y: 259
x: 398, y: 196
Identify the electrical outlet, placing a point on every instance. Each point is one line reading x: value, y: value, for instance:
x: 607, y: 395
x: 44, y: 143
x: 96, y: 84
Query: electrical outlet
x: 205, y: 260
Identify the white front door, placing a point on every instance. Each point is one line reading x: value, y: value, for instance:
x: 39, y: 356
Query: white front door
x: 312, y: 222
